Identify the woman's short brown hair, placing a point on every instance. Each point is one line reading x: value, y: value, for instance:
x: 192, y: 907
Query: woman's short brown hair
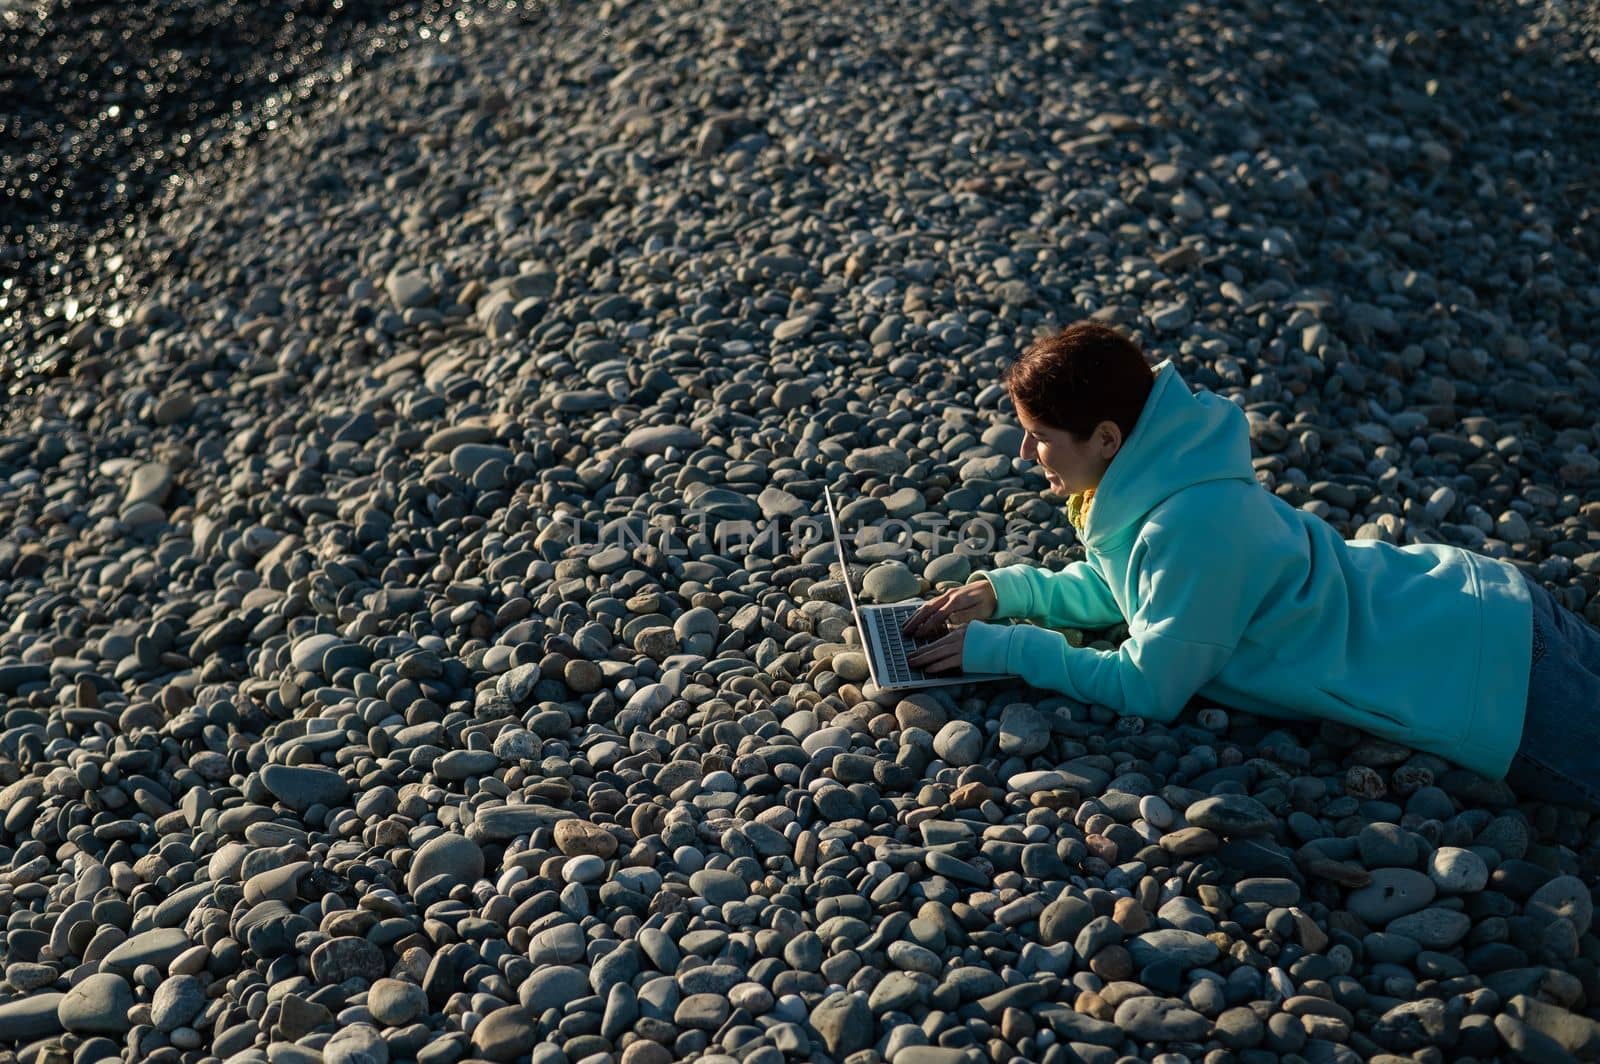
x: 1076, y: 378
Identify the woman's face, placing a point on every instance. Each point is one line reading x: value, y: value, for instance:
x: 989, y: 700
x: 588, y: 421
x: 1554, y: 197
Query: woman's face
x: 1068, y: 465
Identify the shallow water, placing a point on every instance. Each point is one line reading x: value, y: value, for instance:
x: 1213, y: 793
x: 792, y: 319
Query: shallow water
x: 103, y: 106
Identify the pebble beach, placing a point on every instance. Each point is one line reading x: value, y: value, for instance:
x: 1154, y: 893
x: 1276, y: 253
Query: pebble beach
x: 417, y: 643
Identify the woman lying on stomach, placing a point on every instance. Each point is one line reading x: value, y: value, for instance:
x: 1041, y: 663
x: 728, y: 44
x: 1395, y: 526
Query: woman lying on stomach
x: 1231, y: 593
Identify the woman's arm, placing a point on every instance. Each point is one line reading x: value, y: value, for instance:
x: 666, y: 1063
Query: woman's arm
x: 1149, y: 675
x: 1075, y: 597
x: 1192, y: 614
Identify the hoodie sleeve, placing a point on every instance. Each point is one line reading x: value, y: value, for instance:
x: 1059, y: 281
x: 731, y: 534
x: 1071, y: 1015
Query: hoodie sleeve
x: 1075, y: 597
x: 1194, y: 606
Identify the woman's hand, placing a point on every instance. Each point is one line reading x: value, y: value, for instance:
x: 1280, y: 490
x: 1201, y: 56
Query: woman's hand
x: 941, y: 654
x: 969, y: 602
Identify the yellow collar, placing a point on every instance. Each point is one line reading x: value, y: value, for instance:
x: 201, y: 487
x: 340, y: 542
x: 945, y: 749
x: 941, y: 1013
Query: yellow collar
x: 1078, y: 507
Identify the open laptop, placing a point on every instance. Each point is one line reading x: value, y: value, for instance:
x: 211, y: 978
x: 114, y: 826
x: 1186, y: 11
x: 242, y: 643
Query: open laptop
x: 886, y: 646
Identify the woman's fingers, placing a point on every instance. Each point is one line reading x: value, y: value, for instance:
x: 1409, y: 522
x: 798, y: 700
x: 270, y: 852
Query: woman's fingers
x: 962, y: 610
x: 943, y: 653
x: 931, y: 614
x: 953, y: 607
x: 922, y: 654
x: 937, y: 661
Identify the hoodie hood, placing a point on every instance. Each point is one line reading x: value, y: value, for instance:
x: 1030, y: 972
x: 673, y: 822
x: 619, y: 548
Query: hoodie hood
x: 1181, y: 439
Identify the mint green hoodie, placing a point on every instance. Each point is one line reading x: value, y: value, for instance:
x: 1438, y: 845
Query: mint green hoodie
x: 1230, y: 592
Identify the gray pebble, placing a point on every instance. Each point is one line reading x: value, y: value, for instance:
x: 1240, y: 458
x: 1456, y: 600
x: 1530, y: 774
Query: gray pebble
x: 1457, y: 871
x: 1153, y: 1019
x: 358, y: 1043
x: 959, y: 743
x: 98, y: 1004
x: 178, y: 1000
x: 1392, y: 892
x: 394, y: 1003
x: 448, y: 854
x: 717, y: 887
x: 1231, y: 814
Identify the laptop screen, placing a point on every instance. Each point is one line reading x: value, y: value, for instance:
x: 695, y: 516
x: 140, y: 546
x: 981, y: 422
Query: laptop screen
x: 838, y: 546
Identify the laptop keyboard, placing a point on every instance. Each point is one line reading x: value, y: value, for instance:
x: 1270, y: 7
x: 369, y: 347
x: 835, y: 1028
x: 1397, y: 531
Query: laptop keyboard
x: 888, y: 621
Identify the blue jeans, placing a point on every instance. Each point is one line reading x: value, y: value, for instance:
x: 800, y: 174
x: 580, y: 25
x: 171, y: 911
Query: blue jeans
x: 1558, y: 759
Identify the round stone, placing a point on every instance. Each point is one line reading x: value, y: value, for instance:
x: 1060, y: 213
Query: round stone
x: 1154, y: 1019
x: 1386, y: 846
x: 575, y: 837
x: 482, y: 465
x: 1155, y: 811
x: 985, y: 468
x: 1435, y: 929
x: 358, y: 1043
x: 718, y: 887
x: 890, y: 582
x: 344, y: 958
x: 877, y: 461
x: 948, y: 568
x: 308, y: 651
x: 921, y: 711
x: 27, y: 977
x: 516, y: 744
x: 301, y: 786
x: 504, y: 1035
x: 410, y: 288
x: 851, y: 665
x: 655, y: 439
x: 98, y: 1004
x: 448, y: 854
x: 643, y: 1052
x: 157, y: 947
x: 585, y: 868
x: 35, y: 1016
x: 150, y: 482
x: 845, y: 1023
x: 697, y: 621
x: 563, y: 944
x: 1231, y: 814
x: 1391, y: 893
x: 1023, y: 730
x: 658, y: 642
x: 1563, y: 898
x: 516, y: 685
x: 1187, y: 949
x: 177, y: 1002
x: 754, y: 998
x: 582, y: 677
x: 553, y: 987
x: 959, y: 743
x: 394, y: 1003
x: 1457, y: 871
